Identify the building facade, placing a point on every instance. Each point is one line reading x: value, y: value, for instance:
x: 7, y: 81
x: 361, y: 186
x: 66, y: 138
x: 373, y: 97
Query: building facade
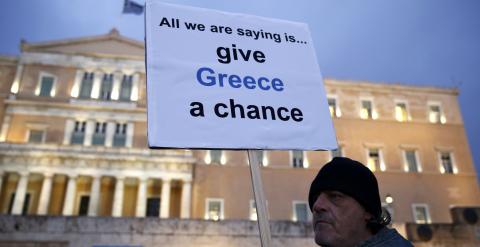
x: 73, y: 143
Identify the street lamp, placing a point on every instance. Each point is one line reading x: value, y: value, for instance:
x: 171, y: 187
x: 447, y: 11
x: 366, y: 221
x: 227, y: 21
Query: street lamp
x: 389, y: 199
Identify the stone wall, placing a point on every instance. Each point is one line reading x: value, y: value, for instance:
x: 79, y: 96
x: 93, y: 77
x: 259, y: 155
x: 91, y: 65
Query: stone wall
x: 146, y: 232
x: 56, y: 231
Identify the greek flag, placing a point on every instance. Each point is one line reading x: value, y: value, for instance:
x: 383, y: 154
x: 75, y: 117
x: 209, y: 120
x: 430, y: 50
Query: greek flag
x: 131, y: 7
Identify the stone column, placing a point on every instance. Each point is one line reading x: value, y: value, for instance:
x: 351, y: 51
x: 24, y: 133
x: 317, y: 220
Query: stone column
x: 69, y: 126
x: 68, y: 204
x: 16, y: 80
x: 5, y: 126
x: 94, y: 196
x: 109, y: 134
x: 186, y: 199
x: 129, y: 140
x: 118, y: 198
x: 19, y: 199
x: 134, y: 92
x: 165, y: 199
x: 141, y: 197
x: 45, y: 194
x: 89, y: 129
x: 76, y: 83
x: 117, y: 79
x: 97, y: 80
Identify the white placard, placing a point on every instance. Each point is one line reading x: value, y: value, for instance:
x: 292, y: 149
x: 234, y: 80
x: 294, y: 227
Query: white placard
x: 232, y: 81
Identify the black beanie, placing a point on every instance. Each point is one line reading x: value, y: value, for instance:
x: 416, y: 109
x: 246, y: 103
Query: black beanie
x: 351, y: 178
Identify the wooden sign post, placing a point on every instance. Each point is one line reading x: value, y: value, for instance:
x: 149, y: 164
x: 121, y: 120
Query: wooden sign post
x: 260, y: 202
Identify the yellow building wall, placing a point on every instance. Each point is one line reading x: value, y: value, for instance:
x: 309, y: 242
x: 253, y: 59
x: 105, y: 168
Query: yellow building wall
x: 130, y: 197
x: 19, y: 126
x: 9, y: 186
x: 59, y: 187
x: 106, y: 200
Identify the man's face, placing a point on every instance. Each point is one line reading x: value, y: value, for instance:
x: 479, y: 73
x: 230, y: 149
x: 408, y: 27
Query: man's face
x: 339, y: 220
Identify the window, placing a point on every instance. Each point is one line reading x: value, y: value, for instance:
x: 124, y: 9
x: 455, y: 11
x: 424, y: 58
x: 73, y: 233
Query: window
x: 253, y: 210
x: 86, y: 86
x: 36, y: 136
x: 435, y: 114
x: 297, y: 158
x: 46, y: 86
x: 336, y: 152
x: 216, y: 156
x: 153, y: 207
x: 126, y: 87
x: 301, y: 212
x: 421, y: 214
x: 262, y: 157
x: 366, y: 111
x: 333, y: 107
x: 83, y: 207
x: 78, y: 133
x: 99, y: 134
x: 411, y: 161
x: 106, y: 88
x: 120, y: 136
x: 401, y: 113
x: 446, y: 163
x: 375, y: 160
x: 214, y: 209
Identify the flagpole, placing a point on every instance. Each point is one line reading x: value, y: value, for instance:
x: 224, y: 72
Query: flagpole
x: 260, y: 205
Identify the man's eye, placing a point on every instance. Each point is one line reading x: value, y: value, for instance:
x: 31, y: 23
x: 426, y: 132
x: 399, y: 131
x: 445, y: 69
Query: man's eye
x: 336, y: 196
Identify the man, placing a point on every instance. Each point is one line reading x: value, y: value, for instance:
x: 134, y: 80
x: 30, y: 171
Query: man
x: 346, y: 207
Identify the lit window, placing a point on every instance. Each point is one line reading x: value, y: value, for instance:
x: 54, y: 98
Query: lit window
x: 36, y: 136
x: 86, y: 86
x: 120, y: 136
x: 106, y: 88
x: 411, y: 161
x: 99, y: 134
x: 126, y: 87
x: 297, y: 159
x: 216, y: 156
x: 262, y: 157
x: 374, y: 160
x: 366, y: 111
x: 46, y: 86
x: 435, y: 114
x: 446, y: 163
x: 337, y: 152
x: 401, y: 113
x: 78, y: 133
x: 301, y: 212
x: 214, y: 209
x: 421, y: 214
x: 332, y: 106
x: 253, y: 210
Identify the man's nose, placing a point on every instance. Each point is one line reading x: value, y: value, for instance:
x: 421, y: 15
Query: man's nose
x: 321, y: 203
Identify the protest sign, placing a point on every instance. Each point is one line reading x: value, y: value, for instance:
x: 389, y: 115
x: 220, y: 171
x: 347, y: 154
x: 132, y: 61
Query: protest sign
x: 232, y: 81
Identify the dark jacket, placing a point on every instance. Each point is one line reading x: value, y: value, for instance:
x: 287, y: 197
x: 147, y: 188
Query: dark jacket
x: 386, y: 237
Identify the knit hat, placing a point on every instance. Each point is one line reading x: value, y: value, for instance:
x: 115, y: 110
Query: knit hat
x: 351, y: 178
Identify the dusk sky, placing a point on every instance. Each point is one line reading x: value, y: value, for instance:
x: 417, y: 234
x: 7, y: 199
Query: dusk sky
x: 430, y: 42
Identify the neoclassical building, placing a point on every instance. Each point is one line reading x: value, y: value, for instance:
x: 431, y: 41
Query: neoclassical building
x: 73, y: 142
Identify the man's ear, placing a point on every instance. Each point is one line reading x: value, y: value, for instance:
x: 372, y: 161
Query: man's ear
x: 367, y: 216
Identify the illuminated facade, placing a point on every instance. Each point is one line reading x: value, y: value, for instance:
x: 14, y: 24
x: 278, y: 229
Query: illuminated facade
x: 73, y: 142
